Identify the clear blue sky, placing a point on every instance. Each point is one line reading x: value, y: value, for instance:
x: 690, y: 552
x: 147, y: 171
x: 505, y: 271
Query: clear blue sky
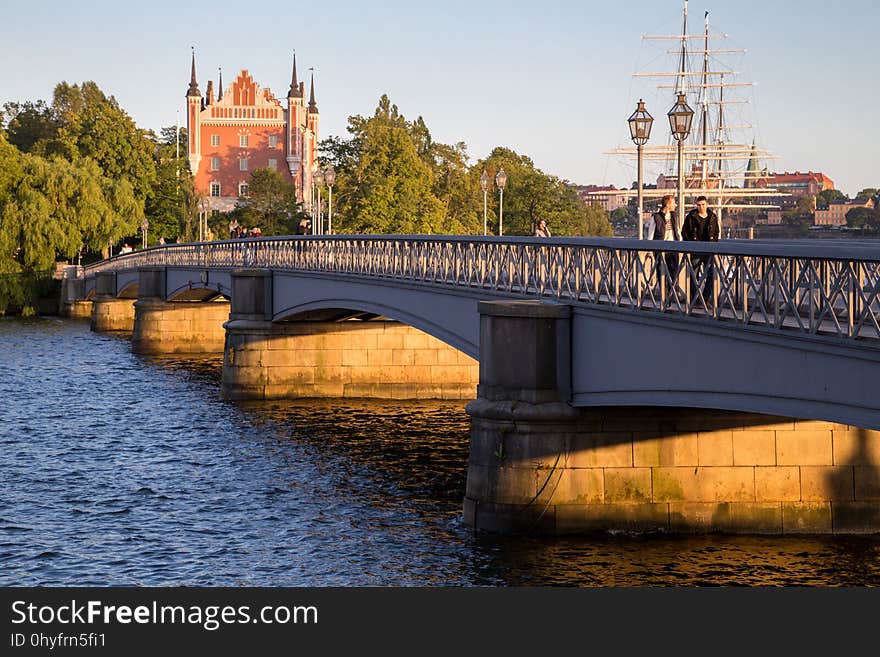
x: 551, y: 80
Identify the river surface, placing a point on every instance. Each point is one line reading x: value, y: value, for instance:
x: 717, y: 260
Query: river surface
x: 118, y: 469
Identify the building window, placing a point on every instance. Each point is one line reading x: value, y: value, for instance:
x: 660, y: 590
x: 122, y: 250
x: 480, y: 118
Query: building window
x: 273, y: 141
x: 242, y: 189
x: 273, y: 163
x: 215, y: 190
x: 215, y: 140
x: 215, y: 164
x: 243, y: 141
x: 242, y: 164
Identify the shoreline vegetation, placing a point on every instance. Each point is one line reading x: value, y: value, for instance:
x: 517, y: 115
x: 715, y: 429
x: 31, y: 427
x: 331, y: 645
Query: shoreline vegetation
x: 78, y: 178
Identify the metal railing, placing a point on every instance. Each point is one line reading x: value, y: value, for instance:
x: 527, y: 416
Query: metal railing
x: 793, y: 286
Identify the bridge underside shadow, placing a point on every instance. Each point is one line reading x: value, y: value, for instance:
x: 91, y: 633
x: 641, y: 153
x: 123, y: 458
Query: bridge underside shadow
x: 624, y: 358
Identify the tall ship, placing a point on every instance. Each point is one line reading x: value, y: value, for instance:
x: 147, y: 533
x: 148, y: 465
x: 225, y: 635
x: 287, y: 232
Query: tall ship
x: 721, y: 154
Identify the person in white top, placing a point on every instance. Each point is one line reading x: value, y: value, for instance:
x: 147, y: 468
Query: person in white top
x: 663, y: 225
x: 542, y: 230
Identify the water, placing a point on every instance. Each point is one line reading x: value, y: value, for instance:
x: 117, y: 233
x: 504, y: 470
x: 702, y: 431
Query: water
x: 120, y: 469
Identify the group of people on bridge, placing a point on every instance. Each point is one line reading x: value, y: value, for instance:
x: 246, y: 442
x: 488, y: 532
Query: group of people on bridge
x: 701, y: 224
x: 237, y: 231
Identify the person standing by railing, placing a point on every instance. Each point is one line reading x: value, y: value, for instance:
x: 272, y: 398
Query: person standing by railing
x: 542, y: 230
x: 663, y: 226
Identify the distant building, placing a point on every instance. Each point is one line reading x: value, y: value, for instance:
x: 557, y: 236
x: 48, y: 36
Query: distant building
x: 835, y: 215
x: 797, y: 184
x: 245, y: 127
x: 772, y: 218
x: 693, y: 180
x: 602, y: 195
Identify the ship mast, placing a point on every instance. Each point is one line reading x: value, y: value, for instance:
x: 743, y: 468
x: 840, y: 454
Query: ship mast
x: 704, y: 104
x: 682, y: 67
x: 710, y: 147
x: 720, y: 141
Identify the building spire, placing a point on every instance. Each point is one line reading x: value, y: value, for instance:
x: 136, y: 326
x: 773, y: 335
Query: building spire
x: 220, y: 85
x: 313, y: 107
x: 295, y: 90
x: 193, y: 84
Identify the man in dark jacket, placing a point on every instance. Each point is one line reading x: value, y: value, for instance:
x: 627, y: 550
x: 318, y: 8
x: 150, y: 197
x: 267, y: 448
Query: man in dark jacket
x: 701, y: 225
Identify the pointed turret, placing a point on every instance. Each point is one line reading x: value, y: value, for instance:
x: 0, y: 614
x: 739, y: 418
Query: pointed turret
x: 313, y: 106
x: 295, y: 90
x: 753, y: 169
x: 193, y: 84
x: 220, y: 85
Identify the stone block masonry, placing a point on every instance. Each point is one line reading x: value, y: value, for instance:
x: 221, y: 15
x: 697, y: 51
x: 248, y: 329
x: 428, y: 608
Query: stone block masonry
x: 537, y: 464
x: 179, y: 327
x: 377, y: 359
x: 110, y: 314
x: 562, y: 470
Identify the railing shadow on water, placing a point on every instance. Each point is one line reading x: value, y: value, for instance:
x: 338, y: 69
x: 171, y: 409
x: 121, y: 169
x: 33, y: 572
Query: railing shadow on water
x: 820, y: 289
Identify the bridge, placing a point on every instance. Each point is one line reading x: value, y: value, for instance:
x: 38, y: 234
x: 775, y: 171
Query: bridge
x: 721, y: 385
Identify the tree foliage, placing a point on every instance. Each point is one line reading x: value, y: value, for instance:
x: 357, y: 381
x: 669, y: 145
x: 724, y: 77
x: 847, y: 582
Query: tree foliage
x: 828, y: 196
x: 531, y: 195
x: 864, y: 218
x: 392, y: 177
x: 92, y: 125
x: 172, y: 201
x: 28, y: 124
x: 268, y: 204
x: 75, y: 177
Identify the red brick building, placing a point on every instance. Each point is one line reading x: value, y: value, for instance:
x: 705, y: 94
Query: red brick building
x: 246, y: 127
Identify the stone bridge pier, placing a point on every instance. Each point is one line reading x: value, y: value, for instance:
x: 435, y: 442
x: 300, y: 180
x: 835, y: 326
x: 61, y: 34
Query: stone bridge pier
x: 538, y: 464
x: 266, y: 359
x: 72, y: 302
x: 110, y: 313
x: 175, y: 327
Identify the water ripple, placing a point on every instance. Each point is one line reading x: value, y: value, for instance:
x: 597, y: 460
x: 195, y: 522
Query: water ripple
x: 129, y: 470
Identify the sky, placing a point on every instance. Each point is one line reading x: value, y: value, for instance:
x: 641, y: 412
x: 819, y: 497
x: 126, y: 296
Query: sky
x: 550, y: 80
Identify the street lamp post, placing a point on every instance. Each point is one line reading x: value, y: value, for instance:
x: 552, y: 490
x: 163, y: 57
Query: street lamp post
x: 485, y: 181
x: 319, y: 182
x: 640, y: 123
x: 144, y: 226
x: 680, y: 117
x: 330, y: 179
x: 501, y: 182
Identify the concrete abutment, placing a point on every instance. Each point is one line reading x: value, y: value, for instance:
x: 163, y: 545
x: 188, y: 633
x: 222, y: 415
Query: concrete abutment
x: 175, y: 327
x: 539, y: 465
x: 110, y: 314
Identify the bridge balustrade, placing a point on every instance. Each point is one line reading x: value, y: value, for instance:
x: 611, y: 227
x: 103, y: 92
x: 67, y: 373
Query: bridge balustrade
x: 788, y: 286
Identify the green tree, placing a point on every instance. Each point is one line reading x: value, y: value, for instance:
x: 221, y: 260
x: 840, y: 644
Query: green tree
x: 268, y: 204
x: 532, y: 195
x: 172, y: 201
x: 868, y: 192
x: 28, y: 124
x: 864, y: 218
x: 828, y: 196
x: 392, y: 177
x: 383, y: 183
x: 799, y: 218
x: 92, y: 125
x: 620, y: 215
